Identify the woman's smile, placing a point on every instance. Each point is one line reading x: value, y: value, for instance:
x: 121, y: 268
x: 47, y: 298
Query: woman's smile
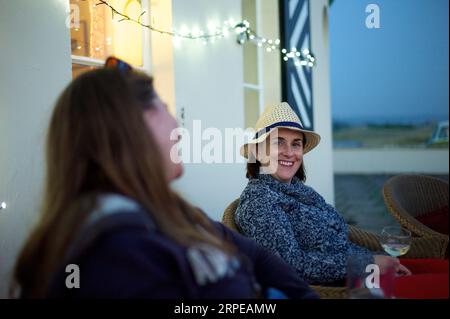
x: 286, y: 163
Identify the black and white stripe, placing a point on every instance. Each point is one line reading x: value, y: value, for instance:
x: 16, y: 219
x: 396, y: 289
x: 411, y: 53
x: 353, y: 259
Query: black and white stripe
x: 297, y: 80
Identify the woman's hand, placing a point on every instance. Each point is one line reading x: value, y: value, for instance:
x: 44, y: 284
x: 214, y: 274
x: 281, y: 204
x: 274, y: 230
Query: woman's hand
x: 403, y: 271
x: 385, y: 262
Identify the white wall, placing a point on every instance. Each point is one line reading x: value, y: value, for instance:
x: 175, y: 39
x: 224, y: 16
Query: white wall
x: 34, y: 67
x: 208, y: 85
x: 319, y: 163
x: 393, y: 161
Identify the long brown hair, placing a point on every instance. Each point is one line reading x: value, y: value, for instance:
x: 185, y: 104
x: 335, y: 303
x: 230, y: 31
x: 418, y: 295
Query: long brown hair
x: 98, y: 142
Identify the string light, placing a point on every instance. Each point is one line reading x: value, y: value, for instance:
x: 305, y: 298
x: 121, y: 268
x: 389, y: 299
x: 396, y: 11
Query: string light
x: 244, y: 34
x: 176, y: 41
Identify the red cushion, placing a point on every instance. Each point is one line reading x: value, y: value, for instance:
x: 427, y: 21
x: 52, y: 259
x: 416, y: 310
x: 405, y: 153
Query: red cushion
x: 429, y: 279
x: 426, y: 286
x: 436, y: 220
x: 426, y: 265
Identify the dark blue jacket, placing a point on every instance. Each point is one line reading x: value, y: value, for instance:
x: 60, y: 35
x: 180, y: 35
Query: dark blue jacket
x: 121, y: 254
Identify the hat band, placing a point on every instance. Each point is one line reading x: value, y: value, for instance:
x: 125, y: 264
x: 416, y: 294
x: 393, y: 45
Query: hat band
x: 270, y: 127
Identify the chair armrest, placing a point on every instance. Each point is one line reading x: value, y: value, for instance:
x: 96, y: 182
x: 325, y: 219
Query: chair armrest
x: 364, y: 238
x: 331, y: 292
x: 428, y: 247
x: 421, y: 247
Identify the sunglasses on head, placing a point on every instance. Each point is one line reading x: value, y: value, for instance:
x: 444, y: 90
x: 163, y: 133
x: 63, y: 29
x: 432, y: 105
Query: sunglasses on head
x: 115, y: 63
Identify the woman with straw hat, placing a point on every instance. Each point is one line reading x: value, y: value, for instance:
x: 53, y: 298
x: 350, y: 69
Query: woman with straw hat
x: 283, y: 214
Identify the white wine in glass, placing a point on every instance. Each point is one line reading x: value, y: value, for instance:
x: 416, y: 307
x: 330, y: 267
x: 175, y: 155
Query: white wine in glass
x: 395, y: 240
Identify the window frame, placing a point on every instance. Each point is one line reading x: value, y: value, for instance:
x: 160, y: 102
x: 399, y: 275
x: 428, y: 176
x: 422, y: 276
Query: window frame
x: 259, y: 64
x: 146, y: 46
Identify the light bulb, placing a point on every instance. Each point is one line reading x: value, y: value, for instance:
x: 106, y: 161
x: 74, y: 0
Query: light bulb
x: 195, y: 32
x: 212, y: 26
x: 176, y: 41
x: 184, y: 31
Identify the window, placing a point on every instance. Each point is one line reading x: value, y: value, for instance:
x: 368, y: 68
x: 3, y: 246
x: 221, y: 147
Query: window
x: 262, y: 70
x: 99, y: 34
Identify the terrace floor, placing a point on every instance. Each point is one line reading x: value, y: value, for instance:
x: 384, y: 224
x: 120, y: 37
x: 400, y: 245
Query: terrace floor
x: 359, y: 199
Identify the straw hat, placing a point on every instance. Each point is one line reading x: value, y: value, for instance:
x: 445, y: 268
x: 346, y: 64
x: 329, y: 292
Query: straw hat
x: 280, y: 116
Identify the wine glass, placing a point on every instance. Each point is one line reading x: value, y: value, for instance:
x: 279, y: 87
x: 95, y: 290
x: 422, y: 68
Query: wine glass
x: 395, y: 240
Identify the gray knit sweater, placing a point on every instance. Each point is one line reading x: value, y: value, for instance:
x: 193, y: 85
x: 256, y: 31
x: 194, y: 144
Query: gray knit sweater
x: 295, y: 222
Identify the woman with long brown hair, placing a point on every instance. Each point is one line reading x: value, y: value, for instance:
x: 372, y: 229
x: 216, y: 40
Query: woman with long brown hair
x: 109, y: 211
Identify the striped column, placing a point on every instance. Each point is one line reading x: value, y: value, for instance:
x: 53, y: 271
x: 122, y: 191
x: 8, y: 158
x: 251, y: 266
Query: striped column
x: 297, y: 80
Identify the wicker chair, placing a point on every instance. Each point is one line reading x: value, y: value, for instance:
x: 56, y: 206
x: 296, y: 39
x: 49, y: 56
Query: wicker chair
x: 420, y: 248
x: 410, y: 196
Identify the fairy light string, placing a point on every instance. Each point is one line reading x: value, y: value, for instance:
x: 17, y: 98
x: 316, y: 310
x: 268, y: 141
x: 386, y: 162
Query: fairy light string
x: 242, y: 30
